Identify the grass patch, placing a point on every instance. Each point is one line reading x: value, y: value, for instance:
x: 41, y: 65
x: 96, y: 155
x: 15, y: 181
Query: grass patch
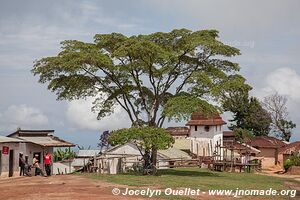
x: 196, y: 178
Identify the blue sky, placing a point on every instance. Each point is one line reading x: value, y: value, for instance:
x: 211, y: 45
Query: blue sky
x: 266, y: 32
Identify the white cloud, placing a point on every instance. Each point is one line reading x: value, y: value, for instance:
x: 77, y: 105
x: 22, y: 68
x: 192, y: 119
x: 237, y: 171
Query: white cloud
x: 80, y: 115
x: 22, y: 116
x: 285, y: 81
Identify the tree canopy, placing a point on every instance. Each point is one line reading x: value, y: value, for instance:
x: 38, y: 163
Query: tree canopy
x: 248, y: 114
x: 152, y: 77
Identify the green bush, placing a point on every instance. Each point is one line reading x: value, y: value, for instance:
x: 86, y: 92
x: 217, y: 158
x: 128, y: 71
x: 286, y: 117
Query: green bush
x: 287, y: 164
x: 293, y: 160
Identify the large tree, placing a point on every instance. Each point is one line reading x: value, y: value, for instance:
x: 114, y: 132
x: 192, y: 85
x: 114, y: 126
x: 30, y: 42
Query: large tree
x: 152, y: 77
x: 248, y: 113
x: 281, y: 126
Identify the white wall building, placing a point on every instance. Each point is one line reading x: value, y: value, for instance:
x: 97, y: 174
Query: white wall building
x: 206, y: 135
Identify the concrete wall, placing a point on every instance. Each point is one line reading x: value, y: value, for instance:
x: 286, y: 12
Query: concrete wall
x: 203, y: 142
x: 4, y: 170
x: 27, y: 149
x: 62, y: 167
x: 270, y: 157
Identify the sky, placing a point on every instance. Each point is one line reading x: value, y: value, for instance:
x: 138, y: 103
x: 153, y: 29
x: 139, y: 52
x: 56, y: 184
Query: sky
x: 267, y: 33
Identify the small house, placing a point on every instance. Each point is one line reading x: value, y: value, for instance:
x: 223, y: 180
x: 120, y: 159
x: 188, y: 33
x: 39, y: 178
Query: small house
x: 269, y: 149
x: 286, y: 151
x: 30, y: 143
x: 9, y: 156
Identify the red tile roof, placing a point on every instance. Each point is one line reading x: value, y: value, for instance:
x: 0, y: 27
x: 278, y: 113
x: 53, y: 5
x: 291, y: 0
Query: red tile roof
x: 200, y: 119
x: 265, y: 141
x: 228, y: 134
x: 178, y: 131
x: 289, y: 148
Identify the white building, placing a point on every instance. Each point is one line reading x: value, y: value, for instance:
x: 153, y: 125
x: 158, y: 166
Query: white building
x: 206, y: 135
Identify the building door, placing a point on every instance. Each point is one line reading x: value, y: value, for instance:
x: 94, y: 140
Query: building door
x: 0, y: 162
x: 11, y: 163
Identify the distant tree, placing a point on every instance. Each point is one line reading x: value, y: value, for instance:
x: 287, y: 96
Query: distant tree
x: 103, y: 141
x: 248, y: 114
x: 242, y: 135
x: 145, y: 138
x: 152, y: 77
x: 281, y: 126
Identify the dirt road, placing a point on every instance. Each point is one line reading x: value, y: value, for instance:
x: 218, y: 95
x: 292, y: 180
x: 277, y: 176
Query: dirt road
x: 56, y: 188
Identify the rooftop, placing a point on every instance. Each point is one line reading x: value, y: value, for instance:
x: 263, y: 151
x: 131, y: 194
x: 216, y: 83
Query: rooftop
x: 40, y: 137
x: 228, y: 134
x: 4, y: 139
x: 201, y: 120
x: 173, y: 153
x: 289, y: 148
x: 178, y: 131
x: 265, y: 142
x: 87, y: 153
x: 21, y: 132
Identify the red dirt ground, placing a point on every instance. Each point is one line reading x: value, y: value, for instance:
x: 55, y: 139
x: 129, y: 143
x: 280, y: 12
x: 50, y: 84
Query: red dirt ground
x: 66, y: 187
x: 56, y: 188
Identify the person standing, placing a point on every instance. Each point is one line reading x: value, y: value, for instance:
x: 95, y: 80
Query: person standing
x: 21, y: 164
x: 47, y: 162
x: 27, y: 166
x: 35, y: 163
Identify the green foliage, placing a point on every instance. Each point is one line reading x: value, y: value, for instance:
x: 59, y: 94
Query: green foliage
x: 248, y: 113
x: 287, y: 164
x: 146, y: 137
x: 293, y: 160
x: 285, y: 131
x: 242, y: 134
x: 63, y: 154
x: 146, y: 75
x: 180, y: 108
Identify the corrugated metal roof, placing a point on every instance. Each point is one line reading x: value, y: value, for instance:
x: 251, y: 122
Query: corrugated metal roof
x: 4, y: 139
x: 47, y: 141
x: 88, y: 153
x: 79, y: 162
x: 174, y: 153
x: 182, y: 143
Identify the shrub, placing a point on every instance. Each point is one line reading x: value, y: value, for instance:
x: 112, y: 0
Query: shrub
x: 293, y: 160
x: 287, y: 164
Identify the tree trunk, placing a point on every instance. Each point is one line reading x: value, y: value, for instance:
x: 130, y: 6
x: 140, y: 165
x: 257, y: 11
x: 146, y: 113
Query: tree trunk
x: 154, y: 160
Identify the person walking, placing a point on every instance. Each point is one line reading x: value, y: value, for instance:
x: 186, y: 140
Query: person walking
x: 47, y: 162
x: 21, y: 164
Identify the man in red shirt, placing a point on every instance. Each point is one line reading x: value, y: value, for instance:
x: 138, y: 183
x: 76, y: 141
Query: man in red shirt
x: 47, y: 163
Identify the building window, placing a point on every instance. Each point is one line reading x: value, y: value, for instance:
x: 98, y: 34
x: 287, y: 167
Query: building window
x: 196, y: 127
x: 216, y: 128
x: 206, y: 128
